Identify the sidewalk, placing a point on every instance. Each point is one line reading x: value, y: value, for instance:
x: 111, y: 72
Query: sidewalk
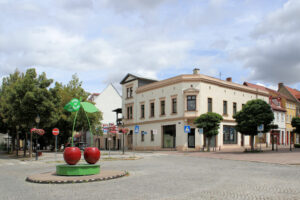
x: 282, y: 156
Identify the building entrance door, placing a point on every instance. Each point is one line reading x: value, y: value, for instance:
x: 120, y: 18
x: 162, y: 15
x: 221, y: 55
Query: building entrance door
x: 169, y: 136
x: 191, y: 139
x: 130, y: 140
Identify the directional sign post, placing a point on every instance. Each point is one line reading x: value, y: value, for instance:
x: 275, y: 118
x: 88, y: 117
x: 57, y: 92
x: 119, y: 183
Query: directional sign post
x: 200, y: 130
x: 55, y: 132
x: 136, y: 129
x: 260, y: 128
x: 187, y: 129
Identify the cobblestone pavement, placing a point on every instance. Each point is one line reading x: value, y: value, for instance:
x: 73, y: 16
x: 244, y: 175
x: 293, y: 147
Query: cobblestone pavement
x: 282, y: 156
x: 159, y: 176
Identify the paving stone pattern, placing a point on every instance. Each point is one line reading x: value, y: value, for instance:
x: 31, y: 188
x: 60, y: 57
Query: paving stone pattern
x: 160, y: 176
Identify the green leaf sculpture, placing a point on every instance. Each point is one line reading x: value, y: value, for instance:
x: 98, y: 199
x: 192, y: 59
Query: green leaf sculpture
x: 74, y: 106
x: 89, y: 107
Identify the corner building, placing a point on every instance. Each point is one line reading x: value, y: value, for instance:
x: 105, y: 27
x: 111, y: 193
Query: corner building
x: 161, y: 109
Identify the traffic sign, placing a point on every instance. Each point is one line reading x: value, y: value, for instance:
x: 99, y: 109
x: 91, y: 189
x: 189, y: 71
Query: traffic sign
x: 260, y: 135
x: 187, y: 129
x: 136, y: 129
x: 55, y: 131
x: 260, y: 127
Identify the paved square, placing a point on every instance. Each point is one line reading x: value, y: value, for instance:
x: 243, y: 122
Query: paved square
x: 160, y: 176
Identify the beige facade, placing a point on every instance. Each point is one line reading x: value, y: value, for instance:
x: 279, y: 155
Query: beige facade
x: 167, y: 127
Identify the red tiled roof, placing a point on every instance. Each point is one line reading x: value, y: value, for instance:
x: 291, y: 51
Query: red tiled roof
x: 256, y: 86
x: 92, y: 96
x: 294, y: 92
x: 266, y: 89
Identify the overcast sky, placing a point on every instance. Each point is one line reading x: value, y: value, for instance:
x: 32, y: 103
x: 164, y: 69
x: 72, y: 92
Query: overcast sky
x: 103, y: 40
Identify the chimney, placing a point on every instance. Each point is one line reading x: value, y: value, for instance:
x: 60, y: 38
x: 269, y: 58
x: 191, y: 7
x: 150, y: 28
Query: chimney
x: 196, y: 71
x: 280, y: 85
x: 229, y: 79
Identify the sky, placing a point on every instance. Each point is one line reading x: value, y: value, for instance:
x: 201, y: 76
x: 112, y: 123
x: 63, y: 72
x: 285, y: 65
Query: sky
x: 102, y: 40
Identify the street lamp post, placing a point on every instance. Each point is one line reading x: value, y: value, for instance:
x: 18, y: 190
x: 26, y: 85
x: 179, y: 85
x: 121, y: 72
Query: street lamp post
x: 37, y: 120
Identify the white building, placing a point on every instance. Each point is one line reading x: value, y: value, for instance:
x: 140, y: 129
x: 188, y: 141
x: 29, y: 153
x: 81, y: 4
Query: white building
x: 279, y: 119
x: 162, y: 109
x: 107, y: 101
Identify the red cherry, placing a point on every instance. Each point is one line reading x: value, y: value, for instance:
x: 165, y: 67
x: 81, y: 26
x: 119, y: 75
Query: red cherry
x: 72, y: 155
x: 91, y: 155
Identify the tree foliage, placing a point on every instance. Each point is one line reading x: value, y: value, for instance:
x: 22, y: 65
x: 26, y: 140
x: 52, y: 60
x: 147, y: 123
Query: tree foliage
x: 23, y: 96
x: 296, y: 124
x: 253, y: 114
x: 210, y: 122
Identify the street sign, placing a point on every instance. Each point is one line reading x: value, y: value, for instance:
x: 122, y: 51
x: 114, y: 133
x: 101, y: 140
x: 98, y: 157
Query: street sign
x: 55, y: 131
x: 260, y: 135
x: 200, y: 130
x: 136, y: 129
x: 260, y: 127
x: 187, y: 129
x: 154, y: 131
x: 145, y: 133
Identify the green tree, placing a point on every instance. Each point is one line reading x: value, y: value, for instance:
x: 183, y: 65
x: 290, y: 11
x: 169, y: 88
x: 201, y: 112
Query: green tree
x: 253, y: 114
x: 210, y: 122
x: 65, y: 119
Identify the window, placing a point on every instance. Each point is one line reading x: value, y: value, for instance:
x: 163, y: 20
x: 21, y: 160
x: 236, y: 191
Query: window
x: 152, y: 135
x: 224, y: 107
x: 142, y: 111
x: 209, y: 105
x: 174, y: 105
x: 129, y: 112
x: 191, y: 103
x: 129, y: 92
x: 277, y: 117
x: 229, y: 135
x: 234, y: 108
x: 152, y: 109
x: 142, y: 136
x: 162, y: 108
x: 282, y: 117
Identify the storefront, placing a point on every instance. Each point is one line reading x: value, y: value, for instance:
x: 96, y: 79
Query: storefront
x: 229, y: 135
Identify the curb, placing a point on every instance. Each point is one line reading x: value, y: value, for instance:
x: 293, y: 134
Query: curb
x: 124, y: 173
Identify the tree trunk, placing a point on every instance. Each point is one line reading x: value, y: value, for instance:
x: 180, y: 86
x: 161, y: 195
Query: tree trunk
x: 30, y: 150
x: 252, y: 142
x: 18, y: 144
x: 208, y: 144
x: 13, y: 142
x: 25, y: 145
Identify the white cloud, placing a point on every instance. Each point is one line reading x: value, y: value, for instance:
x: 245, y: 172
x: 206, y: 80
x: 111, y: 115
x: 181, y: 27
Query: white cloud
x: 275, y: 56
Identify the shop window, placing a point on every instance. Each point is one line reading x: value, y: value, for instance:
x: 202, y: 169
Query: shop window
x: 229, y: 135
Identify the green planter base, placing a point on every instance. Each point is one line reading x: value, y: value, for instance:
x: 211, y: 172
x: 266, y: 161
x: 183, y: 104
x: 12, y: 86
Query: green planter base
x: 77, y: 170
